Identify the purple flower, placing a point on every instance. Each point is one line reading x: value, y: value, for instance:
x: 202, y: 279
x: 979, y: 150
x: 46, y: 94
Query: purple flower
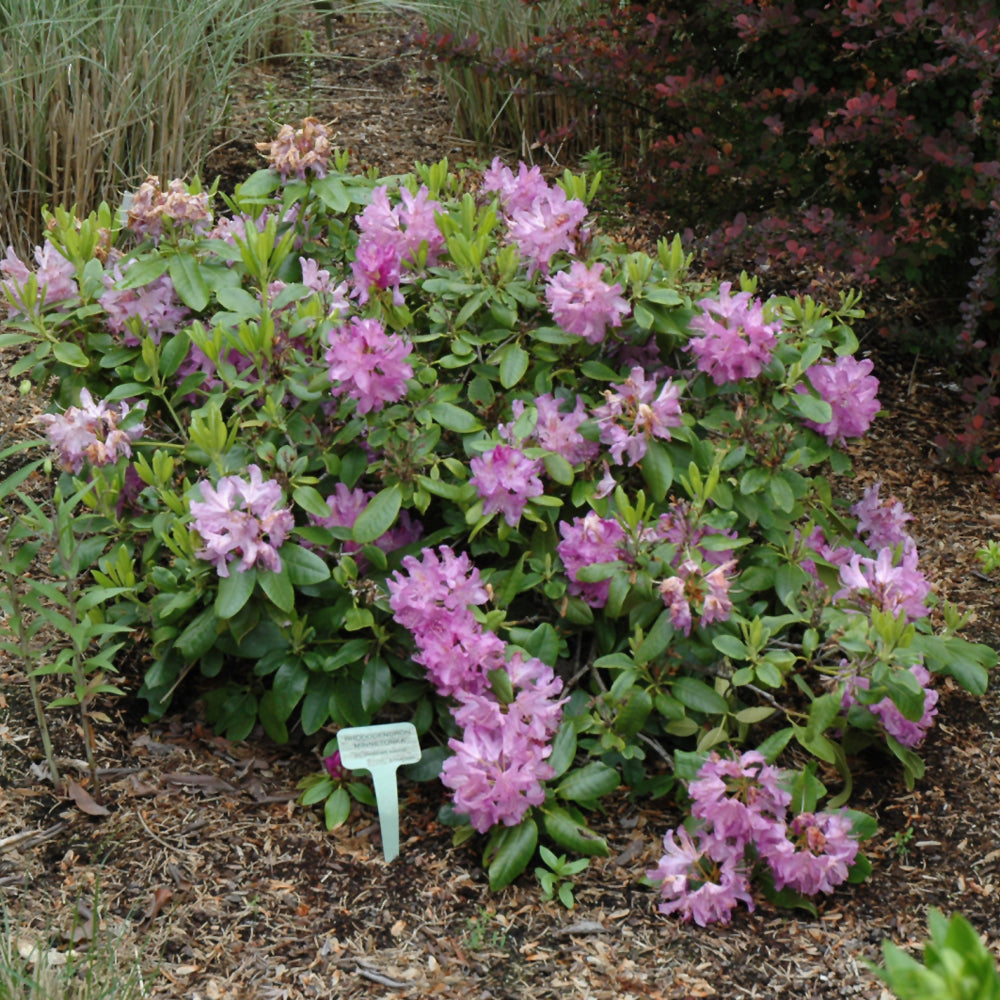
x: 334, y: 766
x: 741, y: 800
x: 849, y: 387
x: 678, y: 527
x: 505, y: 479
x: 701, y: 881
x: 589, y: 540
x: 558, y: 431
x: 518, y: 191
x: 437, y: 581
x: 90, y: 432
x: 368, y: 364
x: 55, y: 275
x: 496, y: 774
x: 376, y: 264
x: 240, y: 518
x: 882, y: 523
x: 906, y: 731
x: 152, y: 309
x: 736, y: 342
x: 583, y: 304
x: 299, y: 151
x: 457, y: 653
x: 548, y: 225
x: 633, y: 413
x: 882, y: 584
x: 816, y: 854
x: 150, y: 206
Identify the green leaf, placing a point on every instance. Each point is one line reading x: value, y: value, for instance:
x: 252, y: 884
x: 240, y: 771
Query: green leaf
x: 337, y: 809
x: 454, y: 418
x: 600, y: 372
x: 311, y: 501
x: 288, y: 686
x: 514, y: 847
x: 234, y: 592
x: 563, y: 748
x: 513, y: 364
x: 730, y: 646
x: 568, y: 832
x: 378, y: 517
x: 376, y: 684
x: 657, y: 469
x: 70, y: 354
x: 812, y: 408
x: 696, y: 694
x: 199, y: 637
x: 189, y: 284
x: 278, y: 588
x: 656, y: 641
x: 303, y: 567
x: 589, y: 782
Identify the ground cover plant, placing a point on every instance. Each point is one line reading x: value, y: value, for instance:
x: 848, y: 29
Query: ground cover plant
x: 430, y: 449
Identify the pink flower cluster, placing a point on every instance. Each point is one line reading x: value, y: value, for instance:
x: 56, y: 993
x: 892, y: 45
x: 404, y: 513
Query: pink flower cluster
x: 368, y: 364
x: 887, y: 582
x: 542, y: 220
x: 736, y: 343
x: 882, y: 524
x: 346, y: 504
x: 90, y: 433
x: 499, y: 763
x: 150, y: 310
x: 742, y: 806
x: 587, y: 541
x: 908, y: 732
x: 583, y: 303
x: 299, y: 151
x: 55, y: 276
x: 506, y: 479
x: 635, y: 412
x: 150, y: 206
x: 392, y: 236
x: 708, y: 593
x: 849, y: 387
x: 241, y: 519
x: 556, y: 429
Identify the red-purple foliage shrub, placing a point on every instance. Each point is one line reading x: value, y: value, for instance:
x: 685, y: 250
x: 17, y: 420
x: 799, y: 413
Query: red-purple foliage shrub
x: 849, y: 142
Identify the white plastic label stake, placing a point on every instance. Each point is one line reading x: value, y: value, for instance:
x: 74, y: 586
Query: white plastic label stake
x: 381, y: 749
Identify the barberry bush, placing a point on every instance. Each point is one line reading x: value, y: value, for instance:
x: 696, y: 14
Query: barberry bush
x: 435, y: 449
x: 810, y: 142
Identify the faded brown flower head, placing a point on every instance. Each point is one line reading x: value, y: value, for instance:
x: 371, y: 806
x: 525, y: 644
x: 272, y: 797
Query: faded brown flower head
x: 296, y: 151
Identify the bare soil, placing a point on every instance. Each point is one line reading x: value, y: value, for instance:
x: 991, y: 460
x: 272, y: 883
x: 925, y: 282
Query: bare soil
x: 205, y: 863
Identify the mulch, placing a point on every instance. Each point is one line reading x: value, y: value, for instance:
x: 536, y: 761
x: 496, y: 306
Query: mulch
x: 205, y: 865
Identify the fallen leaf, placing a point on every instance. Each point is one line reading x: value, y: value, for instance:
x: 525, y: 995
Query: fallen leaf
x: 84, y: 801
x: 161, y: 896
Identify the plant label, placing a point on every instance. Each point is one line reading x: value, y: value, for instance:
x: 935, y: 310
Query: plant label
x: 381, y: 749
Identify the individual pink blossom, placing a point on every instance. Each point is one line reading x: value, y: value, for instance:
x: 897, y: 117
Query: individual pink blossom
x: 550, y: 224
x: 149, y: 310
x: 55, y: 276
x: 241, y: 519
x: 584, y: 304
x: 702, y: 881
x: 90, y: 432
x: 886, y: 584
x: 692, y: 591
x: 506, y: 479
x: 319, y: 282
x: 835, y: 555
x: 439, y: 580
x: 586, y: 541
x: 558, y: 431
x: 882, y: 524
x: 736, y: 343
x: 150, y: 206
x: 849, y: 387
x: 368, y: 364
x: 516, y: 191
x: 496, y: 774
x: 417, y: 218
x: 633, y: 413
x: 741, y: 800
x: 816, y: 854
x: 335, y: 767
x: 908, y: 732
x: 297, y: 152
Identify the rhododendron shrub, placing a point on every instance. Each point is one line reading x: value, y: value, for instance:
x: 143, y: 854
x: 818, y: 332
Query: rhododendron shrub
x: 433, y: 449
